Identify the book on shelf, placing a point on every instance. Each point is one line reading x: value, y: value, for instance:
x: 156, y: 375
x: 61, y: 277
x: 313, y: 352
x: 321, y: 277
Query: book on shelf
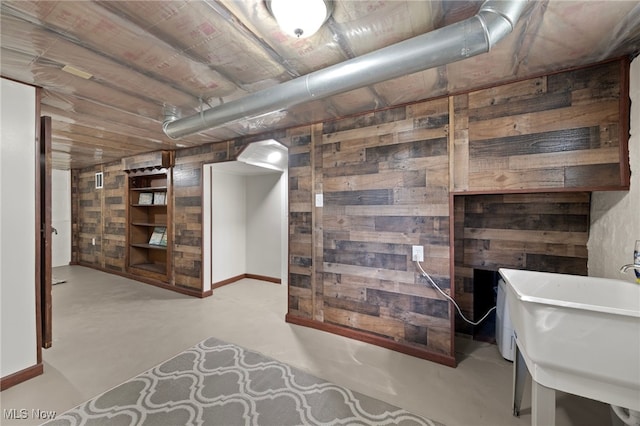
x: 159, y: 198
x: 163, y: 240
x: 145, y: 198
x: 157, y: 235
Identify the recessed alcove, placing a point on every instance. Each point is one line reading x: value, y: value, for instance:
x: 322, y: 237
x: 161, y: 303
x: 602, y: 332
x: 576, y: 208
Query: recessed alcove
x: 542, y: 231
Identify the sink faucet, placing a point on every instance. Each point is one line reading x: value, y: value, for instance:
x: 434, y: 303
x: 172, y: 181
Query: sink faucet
x: 625, y: 268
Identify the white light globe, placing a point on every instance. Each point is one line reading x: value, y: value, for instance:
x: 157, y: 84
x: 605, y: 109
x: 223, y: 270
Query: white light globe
x: 299, y: 18
x: 274, y: 157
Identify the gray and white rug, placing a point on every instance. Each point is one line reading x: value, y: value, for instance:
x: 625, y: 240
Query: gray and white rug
x: 217, y: 383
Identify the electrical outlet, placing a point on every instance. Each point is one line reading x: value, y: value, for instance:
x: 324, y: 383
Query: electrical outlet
x: 319, y: 200
x: 93, y: 241
x: 417, y: 254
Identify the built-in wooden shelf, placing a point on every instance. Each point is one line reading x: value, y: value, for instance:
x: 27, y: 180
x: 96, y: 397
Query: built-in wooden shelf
x: 149, y: 212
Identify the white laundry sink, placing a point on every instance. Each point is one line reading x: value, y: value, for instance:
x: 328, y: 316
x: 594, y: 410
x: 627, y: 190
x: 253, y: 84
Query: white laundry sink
x: 578, y: 334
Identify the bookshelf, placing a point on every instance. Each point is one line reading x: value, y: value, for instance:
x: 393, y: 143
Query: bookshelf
x: 149, y: 224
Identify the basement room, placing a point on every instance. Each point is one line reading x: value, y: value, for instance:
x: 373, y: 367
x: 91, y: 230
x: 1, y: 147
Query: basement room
x: 305, y: 212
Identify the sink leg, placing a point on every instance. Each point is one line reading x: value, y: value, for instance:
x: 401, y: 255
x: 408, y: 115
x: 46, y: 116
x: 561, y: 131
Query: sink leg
x: 520, y: 373
x: 543, y: 405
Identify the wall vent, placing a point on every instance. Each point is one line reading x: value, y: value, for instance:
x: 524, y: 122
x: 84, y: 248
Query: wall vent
x: 99, y: 180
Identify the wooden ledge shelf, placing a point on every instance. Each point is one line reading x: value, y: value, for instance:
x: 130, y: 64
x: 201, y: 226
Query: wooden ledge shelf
x: 148, y: 246
x: 151, y: 267
x: 151, y: 188
x: 164, y: 225
x: 149, y: 162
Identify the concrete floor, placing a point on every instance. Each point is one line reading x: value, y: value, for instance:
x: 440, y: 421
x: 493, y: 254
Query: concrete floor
x: 108, y: 329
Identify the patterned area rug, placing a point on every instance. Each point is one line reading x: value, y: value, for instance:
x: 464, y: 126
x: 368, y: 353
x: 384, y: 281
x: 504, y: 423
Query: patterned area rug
x: 217, y: 383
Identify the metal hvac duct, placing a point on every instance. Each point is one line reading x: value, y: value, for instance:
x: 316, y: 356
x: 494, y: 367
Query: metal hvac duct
x: 452, y: 43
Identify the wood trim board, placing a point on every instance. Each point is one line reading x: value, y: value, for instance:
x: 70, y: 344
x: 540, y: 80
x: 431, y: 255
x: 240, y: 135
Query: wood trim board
x: 418, y: 352
x: 21, y: 376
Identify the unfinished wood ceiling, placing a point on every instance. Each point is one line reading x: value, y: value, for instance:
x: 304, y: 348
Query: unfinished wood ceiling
x: 109, y: 68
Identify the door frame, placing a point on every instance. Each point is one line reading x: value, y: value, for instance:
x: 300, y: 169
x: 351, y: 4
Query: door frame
x: 44, y: 306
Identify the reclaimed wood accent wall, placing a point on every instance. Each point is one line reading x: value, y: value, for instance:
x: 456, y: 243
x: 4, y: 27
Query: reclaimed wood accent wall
x: 187, y: 211
x: 536, y: 231
x: 89, y: 201
x: 99, y: 214
x: 302, y: 281
x: 558, y: 131
x: 151, y: 160
x: 114, y: 218
x: 75, y: 216
x: 384, y: 178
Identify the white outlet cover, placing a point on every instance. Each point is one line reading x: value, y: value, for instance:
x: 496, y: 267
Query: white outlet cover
x: 319, y: 200
x: 417, y: 253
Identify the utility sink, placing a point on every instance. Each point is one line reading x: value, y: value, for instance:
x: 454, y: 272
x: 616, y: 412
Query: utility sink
x: 577, y: 334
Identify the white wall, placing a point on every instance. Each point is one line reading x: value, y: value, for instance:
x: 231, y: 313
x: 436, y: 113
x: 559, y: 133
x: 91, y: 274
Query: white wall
x: 228, y: 226
x: 18, y: 349
x: 264, y: 215
x: 61, y: 217
x: 248, y: 222
x: 615, y: 216
x: 284, y: 228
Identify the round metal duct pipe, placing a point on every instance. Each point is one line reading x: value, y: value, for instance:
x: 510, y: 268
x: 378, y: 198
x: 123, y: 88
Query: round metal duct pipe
x: 452, y: 43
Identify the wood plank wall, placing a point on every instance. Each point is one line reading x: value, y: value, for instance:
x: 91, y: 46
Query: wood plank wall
x: 89, y: 217
x: 114, y: 218
x: 535, y: 231
x: 385, y: 181
x: 75, y: 216
x: 301, y: 230
x: 556, y: 131
x: 187, y: 215
x: 99, y: 214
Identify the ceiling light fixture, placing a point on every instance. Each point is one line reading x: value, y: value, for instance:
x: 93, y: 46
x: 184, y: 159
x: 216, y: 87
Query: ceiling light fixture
x: 269, y: 154
x: 274, y: 157
x: 300, y: 18
x: 77, y: 72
